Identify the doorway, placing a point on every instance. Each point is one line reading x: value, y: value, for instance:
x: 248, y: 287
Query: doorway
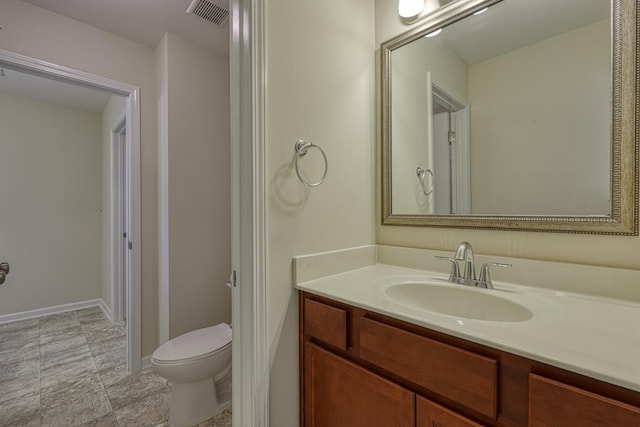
x: 449, y: 143
x: 128, y: 190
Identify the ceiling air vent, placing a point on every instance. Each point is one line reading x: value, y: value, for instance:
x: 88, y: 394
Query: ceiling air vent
x: 215, y: 11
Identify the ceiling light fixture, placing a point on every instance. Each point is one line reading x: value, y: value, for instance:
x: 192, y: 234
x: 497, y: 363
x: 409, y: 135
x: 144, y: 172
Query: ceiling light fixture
x: 410, y: 8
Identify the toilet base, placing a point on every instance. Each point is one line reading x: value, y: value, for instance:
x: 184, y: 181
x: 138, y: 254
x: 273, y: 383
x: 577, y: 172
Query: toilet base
x: 192, y: 403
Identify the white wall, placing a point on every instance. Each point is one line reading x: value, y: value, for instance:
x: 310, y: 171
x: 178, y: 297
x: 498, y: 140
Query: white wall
x: 111, y: 115
x: 50, y: 190
x: 412, y: 115
x: 320, y: 87
x: 195, y: 168
x: 539, y: 125
x: 44, y: 35
x: 611, y: 251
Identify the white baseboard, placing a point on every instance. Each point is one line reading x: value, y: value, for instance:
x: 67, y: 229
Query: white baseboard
x: 146, y: 361
x: 30, y: 314
x: 106, y: 310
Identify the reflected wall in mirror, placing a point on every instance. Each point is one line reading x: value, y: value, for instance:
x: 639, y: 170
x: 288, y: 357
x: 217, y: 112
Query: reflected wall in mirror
x: 513, y: 118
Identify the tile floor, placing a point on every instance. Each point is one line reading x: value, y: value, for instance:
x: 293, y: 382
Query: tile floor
x: 69, y: 369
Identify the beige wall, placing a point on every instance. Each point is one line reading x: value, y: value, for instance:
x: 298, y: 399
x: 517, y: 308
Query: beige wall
x: 321, y: 88
x: 50, y: 220
x: 112, y: 113
x: 40, y: 34
x: 540, y: 116
x: 611, y: 251
x: 412, y: 116
x: 195, y: 168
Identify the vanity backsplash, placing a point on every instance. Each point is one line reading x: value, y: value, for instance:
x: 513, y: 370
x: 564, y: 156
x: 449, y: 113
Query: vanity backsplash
x: 604, y: 282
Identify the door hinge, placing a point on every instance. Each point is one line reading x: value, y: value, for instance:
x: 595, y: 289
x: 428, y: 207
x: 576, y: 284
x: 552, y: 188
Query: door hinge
x: 232, y: 280
x: 452, y: 137
x: 130, y: 245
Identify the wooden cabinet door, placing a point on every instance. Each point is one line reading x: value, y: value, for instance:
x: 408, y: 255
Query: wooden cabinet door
x: 555, y: 404
x: 339, y: 393
x: 430, y: 414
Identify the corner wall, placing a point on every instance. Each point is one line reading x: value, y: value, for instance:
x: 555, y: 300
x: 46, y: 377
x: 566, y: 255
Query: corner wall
x: 320, y: 87
x: 195, y: 174
x: 50, y: 220
x: 515, y: 130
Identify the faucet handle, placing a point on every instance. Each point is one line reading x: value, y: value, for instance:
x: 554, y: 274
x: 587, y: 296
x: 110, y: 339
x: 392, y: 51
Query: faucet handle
x: 455, y: 270
x: 485, y: 277
x: 464, y: 252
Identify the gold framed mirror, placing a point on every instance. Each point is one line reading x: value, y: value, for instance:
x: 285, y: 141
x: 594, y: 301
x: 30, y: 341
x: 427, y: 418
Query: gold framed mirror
x: 513, y: 115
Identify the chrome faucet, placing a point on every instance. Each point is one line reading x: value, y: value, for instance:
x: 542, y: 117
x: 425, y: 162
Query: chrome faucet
x: 465, y: 253
x: 468, y: 277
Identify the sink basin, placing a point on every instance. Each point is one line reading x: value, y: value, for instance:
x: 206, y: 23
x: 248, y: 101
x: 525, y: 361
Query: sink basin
x: 466, y: 302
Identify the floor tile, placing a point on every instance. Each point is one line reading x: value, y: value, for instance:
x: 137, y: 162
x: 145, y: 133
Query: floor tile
x: 83, y: 401
x: 21, y: 326
x: 69, y: 369
x: 108, y: 420
x: 18, y: 339
x: 112, y: 366
x: 23, y: 370
x: 66, y: 334
x: 90, y: 315
x: 20, y: 383
x: 32, y: 420
x: 58, y: 321
x: 223, y: 419
x: 107, y: 342
x: 21, y: 407
x: 29, y: 350
x: 136, y: 387
x: 149, y: 411
x: 113, y: 375
x: 66, y: 367
x: 53, y: 350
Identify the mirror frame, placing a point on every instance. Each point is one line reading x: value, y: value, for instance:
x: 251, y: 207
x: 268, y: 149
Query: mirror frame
x: 623, y: 219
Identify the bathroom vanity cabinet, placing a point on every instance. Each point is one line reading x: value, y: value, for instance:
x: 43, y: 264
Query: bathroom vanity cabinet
x: 363, y: 369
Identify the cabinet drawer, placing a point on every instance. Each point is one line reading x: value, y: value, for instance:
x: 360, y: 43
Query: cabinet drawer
x: 555, y: 404
x: 430, y: 414
x: 464, y: 377
x: 325, y: 323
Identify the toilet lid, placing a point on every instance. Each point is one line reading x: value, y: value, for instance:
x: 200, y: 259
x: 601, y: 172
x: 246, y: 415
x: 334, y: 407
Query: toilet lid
x: 194, y: 344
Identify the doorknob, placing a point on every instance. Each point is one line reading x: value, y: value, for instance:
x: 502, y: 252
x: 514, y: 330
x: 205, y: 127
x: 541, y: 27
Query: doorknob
x: 4, y: 270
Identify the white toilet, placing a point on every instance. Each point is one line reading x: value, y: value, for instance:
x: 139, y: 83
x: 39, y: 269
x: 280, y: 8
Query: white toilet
x: 198, y: 367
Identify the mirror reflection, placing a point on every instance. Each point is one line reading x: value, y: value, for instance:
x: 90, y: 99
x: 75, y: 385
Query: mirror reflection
x: 506, y: 112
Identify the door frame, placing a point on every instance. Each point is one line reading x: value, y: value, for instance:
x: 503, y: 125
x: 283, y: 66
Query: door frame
x: 250, y: 359
x: 132, y: 96
x: 459, y: 152
x: 119, y: 284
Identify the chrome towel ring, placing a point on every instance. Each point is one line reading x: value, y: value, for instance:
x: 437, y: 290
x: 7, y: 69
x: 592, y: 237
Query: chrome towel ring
x: 421, y: 175
x: 301, y: 148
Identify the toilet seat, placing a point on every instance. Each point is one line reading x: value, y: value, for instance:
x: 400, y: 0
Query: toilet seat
x: 194, y: 345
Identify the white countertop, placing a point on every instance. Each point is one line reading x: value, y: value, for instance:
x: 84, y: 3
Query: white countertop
x: 593, y: 336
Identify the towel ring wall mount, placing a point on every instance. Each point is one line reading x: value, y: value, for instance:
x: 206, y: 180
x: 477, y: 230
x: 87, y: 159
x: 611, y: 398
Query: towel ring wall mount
x: 301, y: 148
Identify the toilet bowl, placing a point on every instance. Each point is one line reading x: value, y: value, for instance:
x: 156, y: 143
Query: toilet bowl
x: 198, y: 367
